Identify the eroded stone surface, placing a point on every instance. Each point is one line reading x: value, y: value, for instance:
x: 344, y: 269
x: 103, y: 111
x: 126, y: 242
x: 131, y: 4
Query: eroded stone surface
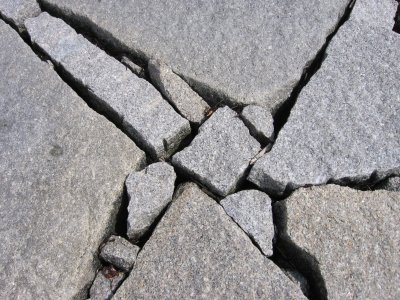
x: 221, y: 152
x: 353, y: 236
x: 106, y: 283
x: 129, y: 100
x: 198, y: 252
x: 252, y: 211
x: 149, y: 192
x: 17, y: 11
x: 62, y: 171
x: 345, y: 124
x: 260, y: 122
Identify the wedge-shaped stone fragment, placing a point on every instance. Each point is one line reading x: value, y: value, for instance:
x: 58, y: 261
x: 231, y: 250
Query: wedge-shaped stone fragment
x: 17, y: 11
x: 106, y: 283
x: 221, y: 152
x: 246, y: 52
x: 345, y: 124
x: 119, y: 252
x: 350, y: 237
x: 252, y: 211
x: 198, y: 252
x: 260, y: 122
x: 390, y: 184
x: 149, y: 192
x: 127, y: 99
x: 132, y: 66
x: 178, y: 92
x: 62, y: 172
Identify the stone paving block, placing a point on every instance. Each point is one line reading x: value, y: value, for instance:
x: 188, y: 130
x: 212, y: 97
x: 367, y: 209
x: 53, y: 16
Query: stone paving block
x: 106, y: 283
x: 352, y: 236
x: 345, y: 124
x: 249, y: 52
x: 17, y: 11
x: 62, y: 172
x: 178, y: 92
x: 149, y: 192
x: 252, y: 211
x: 129, y: 100
x: 220, y: 154
x: 260, y: 122
x: 198, y: 252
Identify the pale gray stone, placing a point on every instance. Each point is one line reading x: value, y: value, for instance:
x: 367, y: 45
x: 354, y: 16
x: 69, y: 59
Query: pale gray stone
x: 119, y: 252
x: 252, y: 211
x: 132, y: 66
x: 17, y: 11
x: 62, y: 172
x: 220, y: 154
x: 149, y: 192
x: 129, y: 100
x: 246, y: 52
x: 390, y: 184
x: 345, y: 124
x: 352, y: 237
x: 106, y: 283
x: 178, y: 92
x: 260, y: 122
x: 198, y: 252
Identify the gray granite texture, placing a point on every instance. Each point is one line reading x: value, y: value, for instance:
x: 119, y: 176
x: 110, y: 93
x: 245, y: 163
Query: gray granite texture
x: 178, y: 92
x: 220, y: 154
x: 17, y: 11
x: 198, y: 252
x: 106, y: 283
x: 119, y: 252
x: 247, y: 52
x: 390, y: 184
x: 260, y: 122
x: 127, y: 99
x: 149, y: 192
x: 353, y: 237
x: 345, y: 124
x: 62, y: 171
x: 132, y: 66
x: 252, y: 211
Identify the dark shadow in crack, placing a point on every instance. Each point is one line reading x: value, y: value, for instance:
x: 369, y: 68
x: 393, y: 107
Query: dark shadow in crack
x: 396, y: 27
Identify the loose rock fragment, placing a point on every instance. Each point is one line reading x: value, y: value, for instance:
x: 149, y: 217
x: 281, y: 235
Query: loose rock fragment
x: 17, y: 11
x: 345, y: 124
x: 132, y: 66
x: 352, y: 236
x: 260, y: 122
x: 178, y: 92
x: 197, y: 251
x: 252, y: 211
x: 127, y: 99
x: 106, y: 283
x: 390, y: 184
x: 149, y: 191
x: 120, y: 253
x: 220, y: 154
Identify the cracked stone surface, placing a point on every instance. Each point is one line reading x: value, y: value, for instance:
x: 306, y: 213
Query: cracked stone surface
x: 149, y: 192
x: 106, y: 283
x: 250, y: 52
x: 178, y: 92
x: 260, y: 122
x: 198, y: 252
x: 345, y: 124
x: 17, y: 11
x: 252, y: 211
x: 119, y: 252
x: 353, y: 236
x: 220, y: 154
x: 390, y: 184
x: 144, y: 114
x: 62, y: 171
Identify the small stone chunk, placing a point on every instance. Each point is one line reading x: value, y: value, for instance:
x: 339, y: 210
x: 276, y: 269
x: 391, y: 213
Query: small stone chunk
x: 119, y: 252
x: 132, y: 66
x: 149, y: 191
x: 260, y: 122
x: 106, y: 283
x: 178, y: 92
x: 17, y: 11
x: 252, y: 211
x: 221, y: 152
x: 390, y: 184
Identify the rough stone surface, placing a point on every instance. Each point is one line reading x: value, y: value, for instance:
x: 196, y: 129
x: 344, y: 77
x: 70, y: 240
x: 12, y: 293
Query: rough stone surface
x: 198, y: 252
x: 345, y: 124
x: 390, y: 184
x: 129, y: 100
x: 149, y: 192
x: 132, y: 66
x: 353, y: 236
x: 178, y: 92
x: 260, y: 122
x: 62, y: 171
x: 252, y: 211
x: 119, y: 252
x: 106, y: 283
x: 221, y: 152
x: 247, y: 51
x: 17, y: 11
